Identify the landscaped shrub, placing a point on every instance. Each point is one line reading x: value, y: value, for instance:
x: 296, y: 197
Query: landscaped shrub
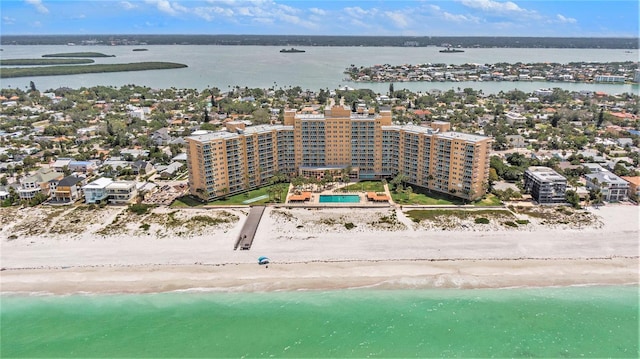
x: 482, y: 220
x: 145, y: 226
x: 139, y: 208
x: 510, y: 224
x: 349, y: 225
x: 522, y: 221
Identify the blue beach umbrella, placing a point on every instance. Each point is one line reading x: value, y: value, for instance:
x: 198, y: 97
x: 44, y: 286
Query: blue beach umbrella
x: 263, y: 260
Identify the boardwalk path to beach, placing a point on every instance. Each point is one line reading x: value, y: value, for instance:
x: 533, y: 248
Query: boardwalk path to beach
x: 249, y: 229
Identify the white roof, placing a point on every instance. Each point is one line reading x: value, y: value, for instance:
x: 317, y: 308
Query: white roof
x: 101, y: 182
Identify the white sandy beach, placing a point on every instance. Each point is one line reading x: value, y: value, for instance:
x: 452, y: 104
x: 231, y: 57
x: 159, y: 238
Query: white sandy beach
x: 106, y: 250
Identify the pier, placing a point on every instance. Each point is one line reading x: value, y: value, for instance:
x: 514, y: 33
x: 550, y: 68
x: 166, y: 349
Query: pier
x: 248, y: 232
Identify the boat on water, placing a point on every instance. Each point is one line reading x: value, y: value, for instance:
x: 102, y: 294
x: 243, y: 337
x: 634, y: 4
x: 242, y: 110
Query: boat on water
x: 448, y: 49
x: 291, y: 50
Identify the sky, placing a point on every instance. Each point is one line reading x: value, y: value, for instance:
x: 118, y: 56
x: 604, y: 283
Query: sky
x: 544, y: 18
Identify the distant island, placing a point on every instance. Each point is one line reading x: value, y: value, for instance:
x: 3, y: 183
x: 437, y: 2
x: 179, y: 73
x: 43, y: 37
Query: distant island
x: 306, y: 40
x: 78, y: 54
x: 291, y: 50
x: 40, y: 62
x: 87, y: 69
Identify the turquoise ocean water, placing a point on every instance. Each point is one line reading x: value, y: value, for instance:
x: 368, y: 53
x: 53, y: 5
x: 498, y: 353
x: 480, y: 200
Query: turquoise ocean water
x: 535, y: 322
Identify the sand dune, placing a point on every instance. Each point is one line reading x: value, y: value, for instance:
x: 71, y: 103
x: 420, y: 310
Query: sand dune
x: 112, y: 250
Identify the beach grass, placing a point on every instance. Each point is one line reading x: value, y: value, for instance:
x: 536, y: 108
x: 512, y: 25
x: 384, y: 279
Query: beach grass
x: 419, y: 215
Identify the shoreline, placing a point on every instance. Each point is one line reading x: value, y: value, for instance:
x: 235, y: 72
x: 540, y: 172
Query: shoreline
x: 324, y: 276
x: 63, y: 251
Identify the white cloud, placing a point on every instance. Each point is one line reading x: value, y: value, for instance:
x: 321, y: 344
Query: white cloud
x: 8, y: 20
x: 495, y: 6
x: 38, y: 5
x: 316, y: 11
x: 127, y: 5
x: 458, y: 17
x: 358, y: 12
x: 398, y: 18
x: 566, y: 20
x: 167, y: 7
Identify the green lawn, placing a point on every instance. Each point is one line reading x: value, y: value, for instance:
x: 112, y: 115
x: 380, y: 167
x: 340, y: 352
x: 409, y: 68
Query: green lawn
x: 490, y: 200
x: 238, y: 199
x: 433, y: 199
x: 186, y: 201
x: 368, y: 186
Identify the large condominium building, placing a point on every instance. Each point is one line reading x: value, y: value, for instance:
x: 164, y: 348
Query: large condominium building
x: 363, y: 143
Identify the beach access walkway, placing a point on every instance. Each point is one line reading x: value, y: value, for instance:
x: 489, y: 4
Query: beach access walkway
x: 245, y: 239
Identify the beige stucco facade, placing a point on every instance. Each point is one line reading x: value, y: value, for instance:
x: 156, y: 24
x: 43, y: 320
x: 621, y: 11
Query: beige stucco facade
x: 227, y: 162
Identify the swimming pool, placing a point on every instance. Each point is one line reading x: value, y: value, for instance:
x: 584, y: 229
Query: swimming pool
x: 339, y: 198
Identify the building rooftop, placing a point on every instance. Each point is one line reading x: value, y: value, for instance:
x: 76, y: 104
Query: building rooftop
x: 545, y: 174
x: 463, y: 136
x: 606, y: 176
x: 101, y: 182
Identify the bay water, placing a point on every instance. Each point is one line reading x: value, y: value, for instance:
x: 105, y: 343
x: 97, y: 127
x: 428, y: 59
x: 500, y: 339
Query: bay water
x: 518, y: 322
x: 320, y: 67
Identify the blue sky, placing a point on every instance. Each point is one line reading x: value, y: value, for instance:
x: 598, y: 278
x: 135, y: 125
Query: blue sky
x: 573, y: 18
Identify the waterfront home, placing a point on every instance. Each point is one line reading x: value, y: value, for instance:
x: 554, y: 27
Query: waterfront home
x: 545, y: 185
x: 634, y: 186
x: 612, y: 187
x: 121, y: 192
x: 37, y: 183
x: 67, y: 189
x: 96, y: 191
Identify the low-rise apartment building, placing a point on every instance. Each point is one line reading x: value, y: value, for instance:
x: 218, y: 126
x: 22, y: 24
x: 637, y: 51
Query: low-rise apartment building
x: 545, y: 185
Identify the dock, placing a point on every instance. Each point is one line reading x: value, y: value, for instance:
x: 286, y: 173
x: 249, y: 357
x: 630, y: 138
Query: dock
x: 248, y: 232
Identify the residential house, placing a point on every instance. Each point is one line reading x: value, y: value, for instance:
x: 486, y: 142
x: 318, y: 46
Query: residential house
x: 612, y: 187
x: 516, y: 141
x: 83, y: 166
x: 545, y: 185
x: 142, y: 167
x: 38, y: 183
x: 634, y: 186
x: 514, y: 118
x: 60, y: 164
x: 96, y: 191
x: 68, y: 189
x: 120, y: 192
x: 171, y: 170
x: 161, y: 136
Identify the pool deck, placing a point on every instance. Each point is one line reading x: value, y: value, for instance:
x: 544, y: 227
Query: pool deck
x: 314, y: 200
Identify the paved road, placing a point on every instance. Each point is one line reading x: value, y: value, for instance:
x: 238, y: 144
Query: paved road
x: 249, y: 229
